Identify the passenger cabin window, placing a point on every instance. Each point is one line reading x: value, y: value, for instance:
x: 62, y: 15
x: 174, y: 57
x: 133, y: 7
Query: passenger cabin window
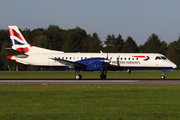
x: 136, y: 58
x: 124, y: 58
x: 81, y: 58
x: 70, y: 58
x: 129, y: 58
x: 62, y: 57
x: 66, y: 58
x: 121, y: 58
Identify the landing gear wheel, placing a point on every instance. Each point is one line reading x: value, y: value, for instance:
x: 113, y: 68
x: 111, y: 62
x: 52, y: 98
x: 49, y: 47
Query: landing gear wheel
x: 163, y: 77
x: 103, y: 76
x: 78, y: 77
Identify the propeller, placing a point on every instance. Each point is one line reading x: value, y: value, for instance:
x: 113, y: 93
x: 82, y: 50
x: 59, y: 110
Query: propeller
x: 106, y: 64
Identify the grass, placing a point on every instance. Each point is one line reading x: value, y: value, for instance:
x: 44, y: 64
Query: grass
x: 87, y: 102
x: 88, y: 75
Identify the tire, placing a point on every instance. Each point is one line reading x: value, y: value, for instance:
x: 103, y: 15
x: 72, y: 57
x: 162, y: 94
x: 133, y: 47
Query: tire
x: 103, y: 76
x: 163, y: 77
x: 78, y: 77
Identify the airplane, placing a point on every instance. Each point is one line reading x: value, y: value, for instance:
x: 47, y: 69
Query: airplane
x: 27, y: 54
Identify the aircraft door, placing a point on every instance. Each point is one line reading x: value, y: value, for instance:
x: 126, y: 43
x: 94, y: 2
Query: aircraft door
x: 118, y: 60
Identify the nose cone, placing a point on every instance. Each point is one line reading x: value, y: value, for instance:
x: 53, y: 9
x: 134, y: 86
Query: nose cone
x: 174, y: 66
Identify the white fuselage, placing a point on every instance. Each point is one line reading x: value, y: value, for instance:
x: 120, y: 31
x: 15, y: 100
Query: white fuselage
x: 43, y: 58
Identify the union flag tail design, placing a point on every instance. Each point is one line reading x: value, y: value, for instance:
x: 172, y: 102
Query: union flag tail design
x: 17, y: 40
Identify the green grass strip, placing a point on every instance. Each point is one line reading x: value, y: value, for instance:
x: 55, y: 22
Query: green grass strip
x: 89, y: 102
x: 88, y: 75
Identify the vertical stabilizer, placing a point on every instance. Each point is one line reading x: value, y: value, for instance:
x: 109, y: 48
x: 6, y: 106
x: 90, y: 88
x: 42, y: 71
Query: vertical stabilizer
x: 17, y: 40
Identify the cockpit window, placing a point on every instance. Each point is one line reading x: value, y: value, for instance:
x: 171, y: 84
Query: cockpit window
x: 157, y: 58
x: 160, y: 58
x: 164, y: 58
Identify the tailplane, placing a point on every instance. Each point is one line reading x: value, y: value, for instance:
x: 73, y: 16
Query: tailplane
x: 18, y: 42
x: 20, y: 48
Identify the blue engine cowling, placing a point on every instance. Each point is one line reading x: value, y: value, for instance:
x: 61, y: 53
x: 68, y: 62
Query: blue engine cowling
x: 92, y: 64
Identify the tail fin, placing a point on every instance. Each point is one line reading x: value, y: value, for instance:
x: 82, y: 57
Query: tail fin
x: 17, y: 40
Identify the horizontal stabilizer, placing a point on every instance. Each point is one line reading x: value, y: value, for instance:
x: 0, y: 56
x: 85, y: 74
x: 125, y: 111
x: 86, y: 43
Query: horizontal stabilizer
x: 16, y: 53
x: 70, y: 63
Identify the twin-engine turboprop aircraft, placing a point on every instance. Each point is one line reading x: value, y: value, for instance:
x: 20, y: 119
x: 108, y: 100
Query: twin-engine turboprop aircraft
x: 26, y: 54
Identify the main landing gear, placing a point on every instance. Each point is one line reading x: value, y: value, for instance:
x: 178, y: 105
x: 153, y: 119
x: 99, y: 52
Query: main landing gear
x: 103, y: 76
x: 163, y: 75
x: 78, y: 76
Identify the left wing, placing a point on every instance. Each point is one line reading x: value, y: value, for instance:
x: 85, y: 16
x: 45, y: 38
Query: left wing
x: 70, y: 64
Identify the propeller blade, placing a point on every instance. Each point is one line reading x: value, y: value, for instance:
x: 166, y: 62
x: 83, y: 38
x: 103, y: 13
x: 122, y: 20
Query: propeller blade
x: 106, y: 64
x: 107, y: 57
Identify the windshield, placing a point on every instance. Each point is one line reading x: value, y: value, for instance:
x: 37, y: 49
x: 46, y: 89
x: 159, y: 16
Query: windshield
x: 157, y: 58
x: 160, y: 58
x: 164, y: 58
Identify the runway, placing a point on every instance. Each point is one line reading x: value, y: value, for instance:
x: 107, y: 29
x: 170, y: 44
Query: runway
x: 90, y: 82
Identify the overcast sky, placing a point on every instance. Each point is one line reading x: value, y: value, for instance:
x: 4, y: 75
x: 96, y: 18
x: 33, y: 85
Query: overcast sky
x: 136, y: 18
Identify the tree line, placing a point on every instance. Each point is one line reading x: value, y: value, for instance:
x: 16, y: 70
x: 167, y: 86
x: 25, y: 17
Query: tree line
x: 77, y: 40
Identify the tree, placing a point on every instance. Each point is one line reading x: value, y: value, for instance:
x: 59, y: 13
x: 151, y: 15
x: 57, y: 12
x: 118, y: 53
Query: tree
x: 163, y: 48
x: 55, y: 36
x: 173, y: 52
x: 4, y: 43
x: 114, y: 44
x: 110, y: 43
x: 120, y: 43
x: 95, y: 44
x: 41, y: 41
x: 74, y: 40
x: 130, y: 46
x: 153, y: 44
x: 28, y: 35
x: 141, y: 49
x: 85, y: 44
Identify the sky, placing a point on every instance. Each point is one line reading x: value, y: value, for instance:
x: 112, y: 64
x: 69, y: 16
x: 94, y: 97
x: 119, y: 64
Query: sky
x: 136, y: 18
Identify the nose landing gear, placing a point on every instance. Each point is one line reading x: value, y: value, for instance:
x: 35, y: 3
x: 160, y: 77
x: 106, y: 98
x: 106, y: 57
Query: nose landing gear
x: 163, y: 75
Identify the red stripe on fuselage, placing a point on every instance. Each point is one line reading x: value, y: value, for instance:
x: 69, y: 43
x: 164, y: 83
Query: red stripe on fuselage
x: 140, y: 56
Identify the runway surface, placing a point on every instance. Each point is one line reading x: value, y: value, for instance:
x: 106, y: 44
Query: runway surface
x: 89, y: 82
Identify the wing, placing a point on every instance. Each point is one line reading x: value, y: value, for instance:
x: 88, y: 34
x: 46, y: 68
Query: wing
x: 16, y: 53
x: 70, y: 63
